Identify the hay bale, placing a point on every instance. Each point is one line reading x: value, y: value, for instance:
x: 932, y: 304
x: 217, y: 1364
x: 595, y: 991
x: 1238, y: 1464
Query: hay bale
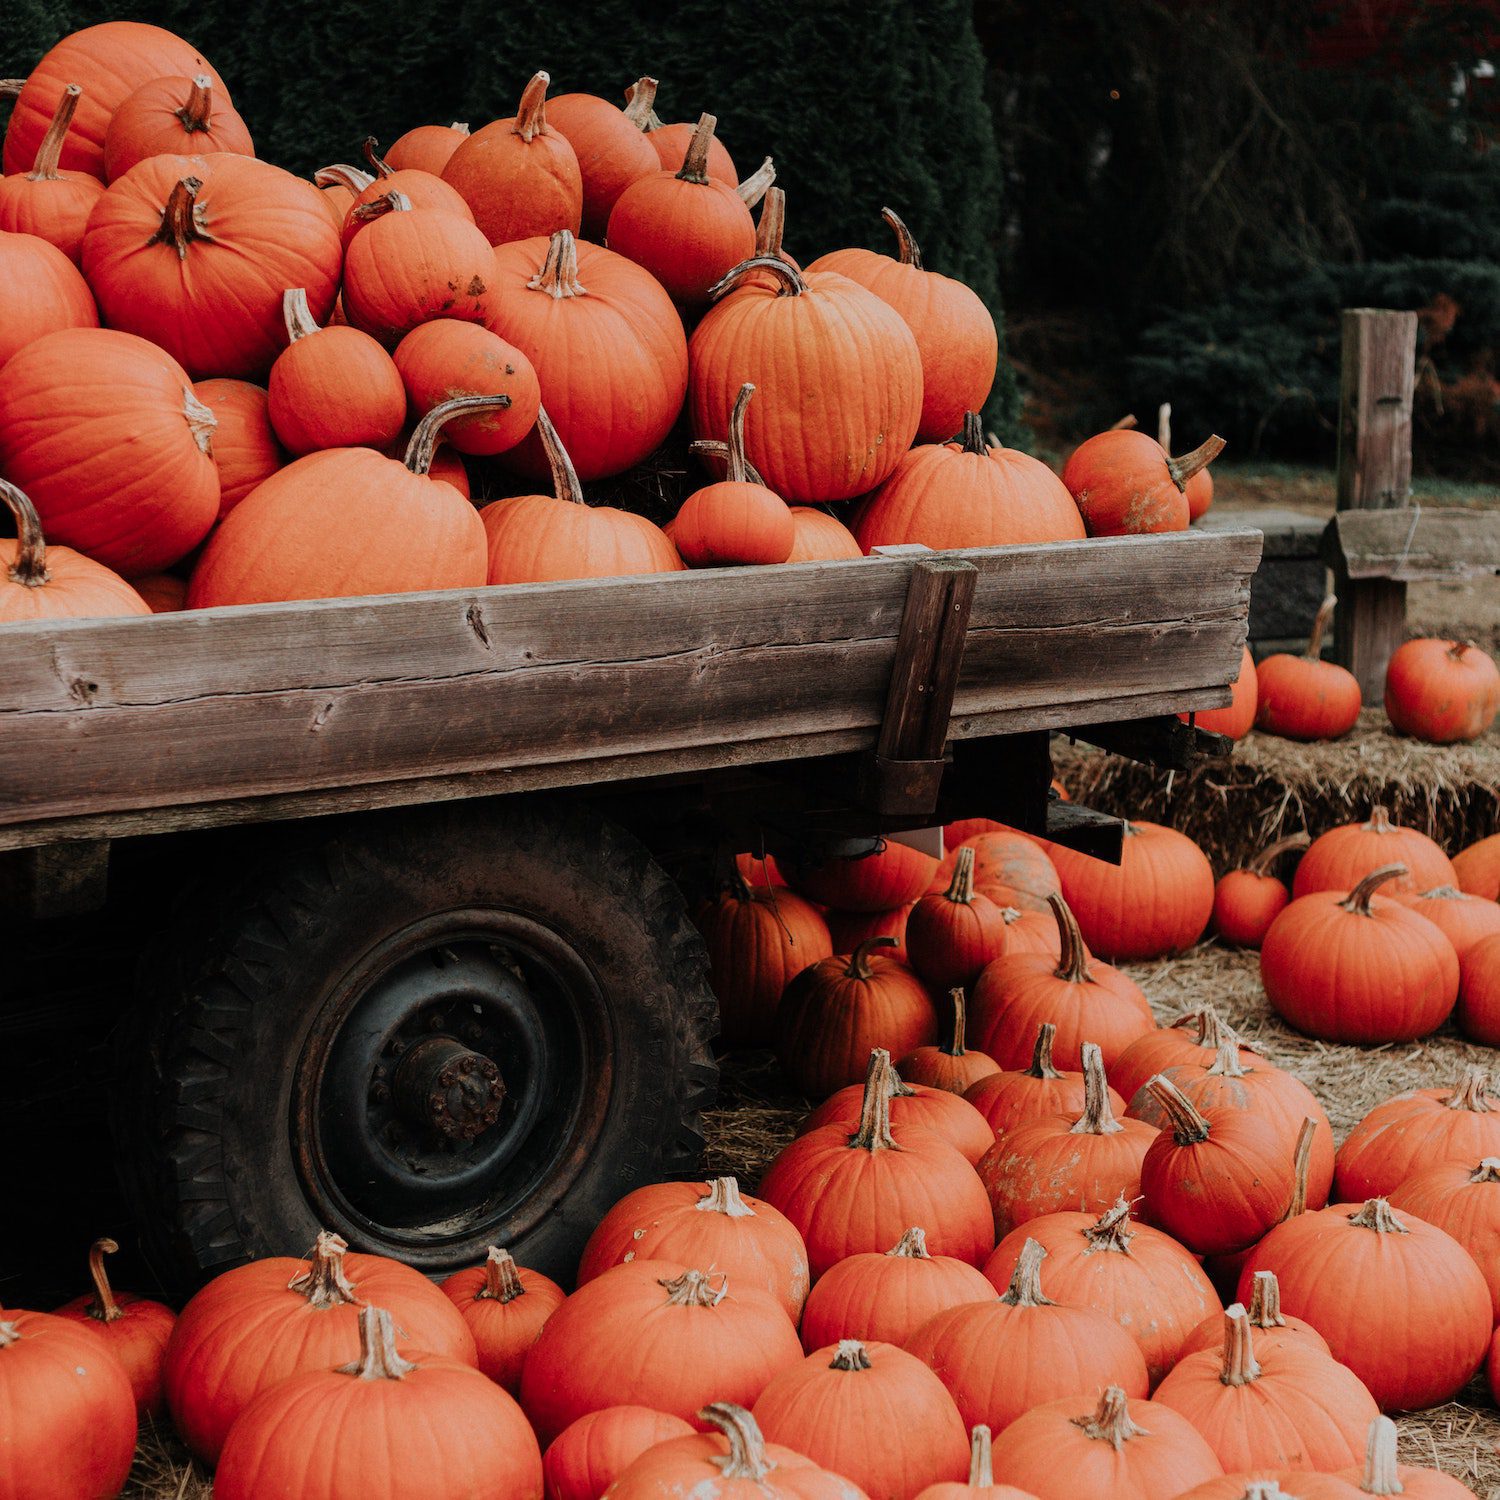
x: 1270, y: 787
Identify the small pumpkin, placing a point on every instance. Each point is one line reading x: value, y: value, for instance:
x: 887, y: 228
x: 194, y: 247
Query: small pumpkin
x: 1477, y: 867
x: 1443, y: 692
x: 1009, y: 1099
x: 47, y: 201
x: 1340, y: 858
x: 245, y: 450
x: 1304, y: 697
x: 981, y: 1481
x: 519, y: 176
x: 1358, y: 967
x: 173, y: 117
x: 1195, y: 1036
x: 1237, y: 717
x: 426, y: 148
x: 420, y: 189
x: 506, y: 1307
x: 891, y: 875
x: 951, y: 1065
x: 820, y: 537
x: 612, y: 148
x: 1478, y: 1008
x: 1124, y: 484
x: 41, y: 292
x: 1249, y: 899
x: 448, y: 358
x: 1270, y: 1326
x: 1464, y: 1202
x: 588, y: 1455
x: 951, y: 936
x: 707, y: 1224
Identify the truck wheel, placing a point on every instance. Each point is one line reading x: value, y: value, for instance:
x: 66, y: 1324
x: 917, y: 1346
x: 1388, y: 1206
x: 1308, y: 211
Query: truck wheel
x: 429, y: 1031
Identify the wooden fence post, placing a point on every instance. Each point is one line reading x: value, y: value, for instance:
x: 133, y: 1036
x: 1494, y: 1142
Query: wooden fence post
x: 1375, y: 401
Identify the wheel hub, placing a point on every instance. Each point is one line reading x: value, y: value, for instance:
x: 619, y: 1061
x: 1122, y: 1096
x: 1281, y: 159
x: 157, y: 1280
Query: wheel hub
x: 441, y: 1085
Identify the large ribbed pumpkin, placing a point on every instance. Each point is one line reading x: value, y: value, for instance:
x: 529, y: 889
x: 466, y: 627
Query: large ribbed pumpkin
x: 851, y: 1193
x: 108, y: 62
x: 1464, y: 1202
x: 1147, y: 1282
x: 610, y: 144
x: 759, y: 939
x: 708, y: 1224
x: 41, y: 292
x: 655, y: 1333
x: 1304, y: 697
x: 258, y: 1324
x: 964, y: 494
x: 519, y: 176
x: 1358, y: 967
x: 1156, y: 901
x: 245, y: 449
x: 591, y: 1453
x: 173, y: 117
x: 47, y: 201
x: 890, y: 876
x: 506, y: 1307
x: 1441, y: 691
x: 607, y: 346
x: 195, y: 252
x: 1249, y: 899
x: 1400, y: 1302
x: 954, y: 330
x: 103, y: 432
x: 343, y: 522
x: 1014, y: 1097
x: 1339, y: 859
x: 838, y: 373
x: 1124, y: 484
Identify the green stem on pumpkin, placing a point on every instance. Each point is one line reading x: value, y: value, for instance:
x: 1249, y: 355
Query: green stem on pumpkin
x: 30, y: 566
x: 1357, y: 902
x: 723, y: 1197
x: 1025, y: 1289
x: 1110, y: 1421
x: 1073, y: 964
x: 1097, y: 1117
x: 197, y: 113
x: 103, y: 1308
x: 424, y: 440
x: 695, y: 160
x: 531, y: 113
x: 324, y: 1283
x: 44, y: 166
x: 378, y: 1359
x: 502, y: 1278
x: 906, y: 245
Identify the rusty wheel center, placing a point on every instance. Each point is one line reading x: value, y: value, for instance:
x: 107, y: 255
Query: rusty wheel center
x: 441, y: 1085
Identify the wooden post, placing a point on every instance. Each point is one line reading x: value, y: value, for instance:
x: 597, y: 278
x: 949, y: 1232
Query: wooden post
x: 1375, y: 402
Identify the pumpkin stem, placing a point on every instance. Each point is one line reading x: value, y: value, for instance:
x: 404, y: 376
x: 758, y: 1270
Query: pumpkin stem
x: 1487, y: 1171
x: 1472, y: 1092
x: 738, y: 471
x: 1261, y: 864
x: 1321, y: 622
x: 103, y: 1308
x: 1226, y: 1063
x: 640, y: 98
x: 874, y: 1132
x: 695, y: 160
x: 1025, y: 1289
x: 981, y: 1460
x: 341, y: 174
x: 1128, y: 423
x: 30, y: 566
x: 378, y: 1359
x: 1182, y: 469
x: 1074, y: 963
x: 955, y: 1047
x: 180, y: 219
x: 10, y: 1333
x: 379, y: 166
x: 1097, y: 1117
x: 1380, y: 820
x: 10, y: 88
x: 202, y: 422
x: 900, y: 1089
x: 1357, y: 901
x: 723, y: 1197
x: 1301, y: 1163
x: 1041, y: 1053
x: 695, y: 1289
x: 44, y: 168
x: 198, y: 110
x: 792, y: 284
x: 772, y: 224
x: 716, y: 454
x: 394, y: 202
x: 297, y: 315
x: 1240, y: 1366
x: 961, y: 887
x: 565, y: 483
x: 1378, y: 1215
x: 1112, y: 1230
x: 906, y: 246
x: 1458, y: 648
x: 1381, y: 1476
x: 971, y: 438
x: 746, y: 1458
x: 558, y: 274
x: 461, y: 126
x: 1265, y: 1302
x: 849, y: 1356
x: 324, y: 1283
x: 859, y: 961
x: 502, y: 1278
x: 1445, y: 893
x: 531, y: 113
x: 424, y: 440
x: 912, y: 1245
x: 1164, y: 425
x: 1110, y: 1422
x: 757, y: 184
x: 1188, y: 1126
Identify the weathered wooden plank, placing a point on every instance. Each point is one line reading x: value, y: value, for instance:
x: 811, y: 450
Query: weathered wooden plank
x: 1413, y: 545
x: 1377, y: 377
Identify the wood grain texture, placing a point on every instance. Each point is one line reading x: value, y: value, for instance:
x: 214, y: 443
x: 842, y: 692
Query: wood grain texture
x: 336, y: 703
x: 1414, y: 545
x: 1377, y: 378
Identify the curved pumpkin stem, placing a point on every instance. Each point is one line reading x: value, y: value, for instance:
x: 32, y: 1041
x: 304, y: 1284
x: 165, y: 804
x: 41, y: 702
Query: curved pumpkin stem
x: 1164, y: 425
x: 1240, y: 1365
x: 1110, y: 1421
x: 180, y: 219
x: 747, y: 1447
x: 1041, y: 1054
x: 379, y: 166
x: 911, y: 1246
x: 757, y: 184
x: 565, y: 483
x: 723, y: 1197
x: 1261, y: 864
x: 1112, y: 1229
x: 502, y: 1278
x: 558, y: 273
x: 394, y: 202
x: 1097, y: 1117
x: 10, y: 88
x: 792, y: 284
x: 424, y: 440
x: 772, y: 223
x: 1378, y: 1215
x: 1188, y: 1126
x: 716, y: 454
x: 1382, y: 1473
x: 1074, y: 963
x: 850, y: 1355
x: 378, y: 1359
x: 531, y: 113
x: 695, y: 161
x: 1025, y: 1289
x: 955, y: 1047
x: 1128, y: 423
x: 1301, y: 1165
x: 297, y: 315
x: 981, y: 1459
x: 1472, y: 1092
x: 1357, y: 902
x: 696, y: 1289
x: 859, y: 961
x: 324, y: 1283
x: 961, y: 888
x: 341, y: 174
x: 640, y: 101
x: 906, y: 245
x: 971, y: 439
x: 739, y: 472
x: 1184, y: 468
x: 874, y: 1132
x: 1321, y: 622
x: 198, y: 111
x: 1265, y: 1302
x: 44, y: 167
x: 103, y: 1308
x: 30, y: 566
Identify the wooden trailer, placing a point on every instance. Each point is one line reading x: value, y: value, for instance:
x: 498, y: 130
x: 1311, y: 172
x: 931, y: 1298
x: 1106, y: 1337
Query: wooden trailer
x: 392, y: 948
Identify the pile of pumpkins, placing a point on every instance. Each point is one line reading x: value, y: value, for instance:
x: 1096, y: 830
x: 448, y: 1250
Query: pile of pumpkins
x: 231, y: 385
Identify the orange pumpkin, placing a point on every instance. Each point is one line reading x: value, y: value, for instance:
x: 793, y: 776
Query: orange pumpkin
x: 344, y: 522
x: 820, y: 537
x: 671, y: 142
x: 103, y: 432
x: 1009, y: 1099
x: 1477, y: 867
x: 1270, y: 1326
x: 890, y: 875
x: 245, y: 450
x: 1237, y: 717
x: 849, y: 929
x: 1339, y: 859
x: 505, y: 1306
x: 173, y: 117
x: 419, y: 190
x: 1382, y: 1475
x: 519, y: 176
x: 981, y: 1481
x: 48, y: 202
x: 426, y: 148
x: 838, y: 372
x: 1441, y: 691
x: 950, y: 1066
x: 1463, y: 919
x: 1193, y: 1037
x: 41, y: 292
x: 164, y: 593
x: 960, y: 351
x: 951, y: 936
x: 546, y: 538
x: 1478, y: 1008
x: 610, y: 144
x: 963, y: 494
x: 1124, y: 484
x: 607, y: 346
x: 1464, y: 1202
x: 591, y: 1453
x: 447, y: 358
x: 1007, y: 858
x: 1248, y: 900
x: 1304, y: 697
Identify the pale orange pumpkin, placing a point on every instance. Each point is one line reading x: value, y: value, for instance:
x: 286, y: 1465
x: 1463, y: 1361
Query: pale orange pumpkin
x: 47, y: 201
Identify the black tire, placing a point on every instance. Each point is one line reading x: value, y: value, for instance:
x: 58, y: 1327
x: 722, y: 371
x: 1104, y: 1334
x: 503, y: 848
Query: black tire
x: 259, y: 1007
